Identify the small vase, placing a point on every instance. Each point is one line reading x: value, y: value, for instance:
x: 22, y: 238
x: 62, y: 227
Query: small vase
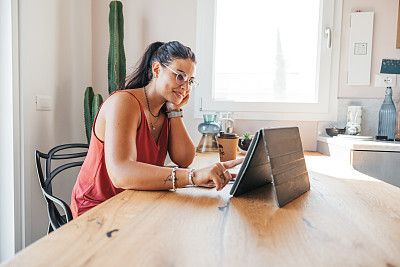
x: 209, y: 130
x: 387, y: 116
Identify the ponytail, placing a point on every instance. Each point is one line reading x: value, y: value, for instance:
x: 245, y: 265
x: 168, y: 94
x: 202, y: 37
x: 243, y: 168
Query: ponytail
x: 143, y: 74
x: 161, y: 52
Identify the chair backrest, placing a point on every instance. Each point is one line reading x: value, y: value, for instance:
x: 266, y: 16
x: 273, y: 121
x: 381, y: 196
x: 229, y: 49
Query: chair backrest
x: 46, y: 175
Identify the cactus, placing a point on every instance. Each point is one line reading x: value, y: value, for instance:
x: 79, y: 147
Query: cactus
x: 87, y: 110
x: 92, y: 104
x: 97, y: 101
x: 116, y: 66
x: 116, y: 53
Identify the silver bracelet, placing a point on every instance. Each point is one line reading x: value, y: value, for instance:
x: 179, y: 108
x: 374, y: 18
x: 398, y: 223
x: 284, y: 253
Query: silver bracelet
x: 191, y: 182
x: 173, y: 178
x: 174, y: 114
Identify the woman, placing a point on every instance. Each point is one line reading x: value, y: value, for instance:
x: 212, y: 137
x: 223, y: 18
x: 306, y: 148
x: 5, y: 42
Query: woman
x: 135, y: 127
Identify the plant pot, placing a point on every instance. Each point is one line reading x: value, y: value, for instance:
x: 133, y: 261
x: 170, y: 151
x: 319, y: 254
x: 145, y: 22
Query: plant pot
x: 244, y: 145
x: 335, y: 131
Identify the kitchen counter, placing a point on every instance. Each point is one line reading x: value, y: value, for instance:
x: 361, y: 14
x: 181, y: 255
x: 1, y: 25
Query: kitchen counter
x: 379, y: 159
x: 392, y: 146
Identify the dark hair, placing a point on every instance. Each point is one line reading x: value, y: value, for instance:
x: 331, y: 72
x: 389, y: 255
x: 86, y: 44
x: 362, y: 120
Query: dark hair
x: 158, y: 51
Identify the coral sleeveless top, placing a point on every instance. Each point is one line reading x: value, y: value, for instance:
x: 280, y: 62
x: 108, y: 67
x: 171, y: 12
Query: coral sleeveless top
x: 93, y: 185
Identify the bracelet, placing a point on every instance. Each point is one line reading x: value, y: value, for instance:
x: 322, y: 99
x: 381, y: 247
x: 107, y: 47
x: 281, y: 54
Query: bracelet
x: 191, y: 182
x: 173, y: 178
x: 174, y: 114
x: 173, y: 110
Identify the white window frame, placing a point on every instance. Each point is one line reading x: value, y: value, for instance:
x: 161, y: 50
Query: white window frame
x: 12, y: 218
x: 324, y: 110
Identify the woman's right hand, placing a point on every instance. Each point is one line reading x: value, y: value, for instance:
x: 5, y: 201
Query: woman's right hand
x: 216, y: 174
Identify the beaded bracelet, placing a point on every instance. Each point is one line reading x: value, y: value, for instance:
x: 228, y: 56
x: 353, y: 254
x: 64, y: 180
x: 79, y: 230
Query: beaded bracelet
x: 173, y: 178
x: 191, y: 182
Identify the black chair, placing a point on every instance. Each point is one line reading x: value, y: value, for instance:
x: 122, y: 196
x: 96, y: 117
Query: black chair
x: 56, y: 219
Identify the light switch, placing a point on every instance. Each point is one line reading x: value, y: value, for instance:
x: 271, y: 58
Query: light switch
x: 43, y: 102
x: 360, y: 48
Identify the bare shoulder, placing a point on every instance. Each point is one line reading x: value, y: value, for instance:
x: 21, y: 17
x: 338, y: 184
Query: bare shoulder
x: 122, y: 103
x: 121, y: 108
x: 124, y: 97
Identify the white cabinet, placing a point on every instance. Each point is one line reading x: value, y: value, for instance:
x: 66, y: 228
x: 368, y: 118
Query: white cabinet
x: 377, y: 159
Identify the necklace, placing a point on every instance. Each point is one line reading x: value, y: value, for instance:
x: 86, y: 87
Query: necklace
x: 153, y: 125
x: 148, y: 105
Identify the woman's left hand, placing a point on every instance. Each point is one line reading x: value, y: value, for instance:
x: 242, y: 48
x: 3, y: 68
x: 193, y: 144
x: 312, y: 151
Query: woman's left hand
x: 172, y: 106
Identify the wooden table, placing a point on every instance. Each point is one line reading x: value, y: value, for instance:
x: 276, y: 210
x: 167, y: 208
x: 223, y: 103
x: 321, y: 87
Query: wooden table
x: 345, y: 219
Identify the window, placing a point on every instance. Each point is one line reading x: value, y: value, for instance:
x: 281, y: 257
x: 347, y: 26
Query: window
x: 274, y: 60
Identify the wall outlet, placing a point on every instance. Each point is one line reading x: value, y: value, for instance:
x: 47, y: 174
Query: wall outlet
x: 385, y: 80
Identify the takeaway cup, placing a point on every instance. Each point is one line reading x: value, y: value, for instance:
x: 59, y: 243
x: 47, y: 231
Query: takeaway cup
x: 227, y: 146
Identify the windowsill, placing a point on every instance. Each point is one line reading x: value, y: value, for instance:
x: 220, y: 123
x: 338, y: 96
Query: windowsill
x: 277, y: 116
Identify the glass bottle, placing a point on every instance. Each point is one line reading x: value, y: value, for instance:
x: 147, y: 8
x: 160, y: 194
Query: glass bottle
x: 397, y: 134
x: 387, y: 116
x: 226, y: 121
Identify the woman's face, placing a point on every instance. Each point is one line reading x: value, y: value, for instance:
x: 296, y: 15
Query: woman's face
x: 171, y: 90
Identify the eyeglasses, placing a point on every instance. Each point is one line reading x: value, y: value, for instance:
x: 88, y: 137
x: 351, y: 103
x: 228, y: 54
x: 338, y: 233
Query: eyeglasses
x: 182, y: 77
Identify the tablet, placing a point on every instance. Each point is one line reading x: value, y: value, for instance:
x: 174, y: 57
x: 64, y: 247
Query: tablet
x: 275, y: 156
x: 254, y: 171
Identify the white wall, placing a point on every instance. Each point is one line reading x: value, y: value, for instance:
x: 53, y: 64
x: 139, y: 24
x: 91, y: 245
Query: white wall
x: 55, y: 61
x: 383, y: 45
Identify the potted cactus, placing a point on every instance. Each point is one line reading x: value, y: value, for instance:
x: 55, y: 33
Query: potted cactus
x: 116, y: 66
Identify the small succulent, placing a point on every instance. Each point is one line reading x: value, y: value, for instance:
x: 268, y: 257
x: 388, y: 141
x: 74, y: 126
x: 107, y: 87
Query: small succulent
x: 247, y: 135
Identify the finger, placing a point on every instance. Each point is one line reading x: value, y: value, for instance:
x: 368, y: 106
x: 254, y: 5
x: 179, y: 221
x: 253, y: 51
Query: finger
x: 185, y: 100
x: 221, y: 172
x: 227, y: 176
x: 220, y: 168
x: 217, y: 181
x: 234, y: 175
x: 187, y: 97
x: 232, y: 163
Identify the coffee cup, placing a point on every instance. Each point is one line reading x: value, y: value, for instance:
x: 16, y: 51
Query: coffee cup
x: 227, y: 146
